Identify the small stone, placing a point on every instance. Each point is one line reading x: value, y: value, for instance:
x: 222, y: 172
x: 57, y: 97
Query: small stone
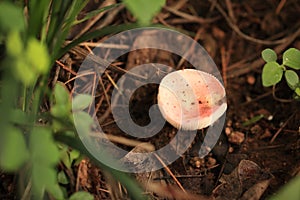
x: 228, y: 131
x: 251, y: 80
x: 197, y: 162
x: 236, y: 137
x: 266, y: 134
x: 230, y: 149
x: 270, y: 117
x: 210, y: 162
x: 229, y: 123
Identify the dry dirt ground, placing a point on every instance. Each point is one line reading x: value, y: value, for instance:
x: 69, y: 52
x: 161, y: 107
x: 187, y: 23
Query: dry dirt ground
x: 258, y: 151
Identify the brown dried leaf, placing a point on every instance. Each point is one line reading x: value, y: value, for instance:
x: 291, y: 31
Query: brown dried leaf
x: 247, y: 178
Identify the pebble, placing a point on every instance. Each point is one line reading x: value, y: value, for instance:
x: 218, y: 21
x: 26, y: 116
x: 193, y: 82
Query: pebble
x: 230, y: 149
x: 228, y: 131
x: 266, y: 134
x: 211, y: 162
x: 251, y: 80
x: 197, y: 162
x: 236, y: 137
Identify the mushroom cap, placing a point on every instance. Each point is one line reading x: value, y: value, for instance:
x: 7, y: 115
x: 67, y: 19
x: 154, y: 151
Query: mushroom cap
x: 191, y: 99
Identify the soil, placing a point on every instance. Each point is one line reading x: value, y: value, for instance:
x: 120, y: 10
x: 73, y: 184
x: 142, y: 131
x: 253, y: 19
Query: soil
x: 258, y: 127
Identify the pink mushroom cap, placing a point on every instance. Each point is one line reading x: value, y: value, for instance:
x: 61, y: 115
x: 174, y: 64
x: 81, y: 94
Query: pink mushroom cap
x: 191, y: 99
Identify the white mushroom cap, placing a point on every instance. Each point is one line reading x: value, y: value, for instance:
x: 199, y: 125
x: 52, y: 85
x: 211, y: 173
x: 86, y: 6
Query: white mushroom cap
x: 190, y: 99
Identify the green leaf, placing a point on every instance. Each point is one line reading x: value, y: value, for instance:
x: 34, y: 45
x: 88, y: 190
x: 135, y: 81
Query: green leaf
x: 62, y: 178
x: 93, y: 34
x: 253, y: 120
x: 63, y: 22
x: 81, y: 195
x: 14, y: 44
x: 95, y: 12
x: 144, y: 11
x: 11, y: 17
x: 297, y: 91
x: 289, y: 191
x: 291, y: 58
x: 81, y: 101
x: 23, y: 71
x: 13, y: 150
x: 60, y: 110
x: 133, y: 188
x: 271, y: 74
x: 61, y: 94
x: 37, y: 55
x: 83, y: 122
x: 38, y: 12
x: 269, y: 55
x: 74, y: 154
x: 42, y: 177
x: 19, y: 117
x: 44, y: 157
x: 43, y: 148
x: 56, y: 191
x: 65, y: 158
x: 291, y: 78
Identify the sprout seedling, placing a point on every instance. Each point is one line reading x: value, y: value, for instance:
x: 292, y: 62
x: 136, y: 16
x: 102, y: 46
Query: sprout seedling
x: 273, y: 72
x: 190, y: 99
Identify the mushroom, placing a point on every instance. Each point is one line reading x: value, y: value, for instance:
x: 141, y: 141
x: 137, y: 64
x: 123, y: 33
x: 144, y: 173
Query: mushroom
x: 191, y: 99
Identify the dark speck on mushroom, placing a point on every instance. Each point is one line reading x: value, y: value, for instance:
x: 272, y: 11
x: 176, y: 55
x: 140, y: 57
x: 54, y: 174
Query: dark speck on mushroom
x: 200, y: 102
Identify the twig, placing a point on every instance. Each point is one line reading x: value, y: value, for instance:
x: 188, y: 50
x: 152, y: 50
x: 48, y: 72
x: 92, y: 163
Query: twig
x: 101, y: 100
x: 95, y: 19
x: 103, y: 117
x: 124, y: 141
x: 78, y: 76
x: 192, y: 18
x: 191, y: 49
x: 256, y: 98
x: 243, y: 35
x: 230, y: 10
x: 105, y: 45
x: 66, y: 68
x: 84, y: 53
x: 280, y: 6
x: 170, y: 173
x: 26, y: 193
x: 224, y: 65
x: 282, y: 127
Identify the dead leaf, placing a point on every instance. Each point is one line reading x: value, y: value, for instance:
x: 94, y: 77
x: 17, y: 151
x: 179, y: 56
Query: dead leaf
x: 247, y: 178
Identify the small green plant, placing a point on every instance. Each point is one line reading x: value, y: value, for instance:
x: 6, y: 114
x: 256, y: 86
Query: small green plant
x: 32, y: 35
x: 273, y: 72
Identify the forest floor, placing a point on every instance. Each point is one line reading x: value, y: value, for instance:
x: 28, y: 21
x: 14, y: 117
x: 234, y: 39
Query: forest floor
x: 260, y: 139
